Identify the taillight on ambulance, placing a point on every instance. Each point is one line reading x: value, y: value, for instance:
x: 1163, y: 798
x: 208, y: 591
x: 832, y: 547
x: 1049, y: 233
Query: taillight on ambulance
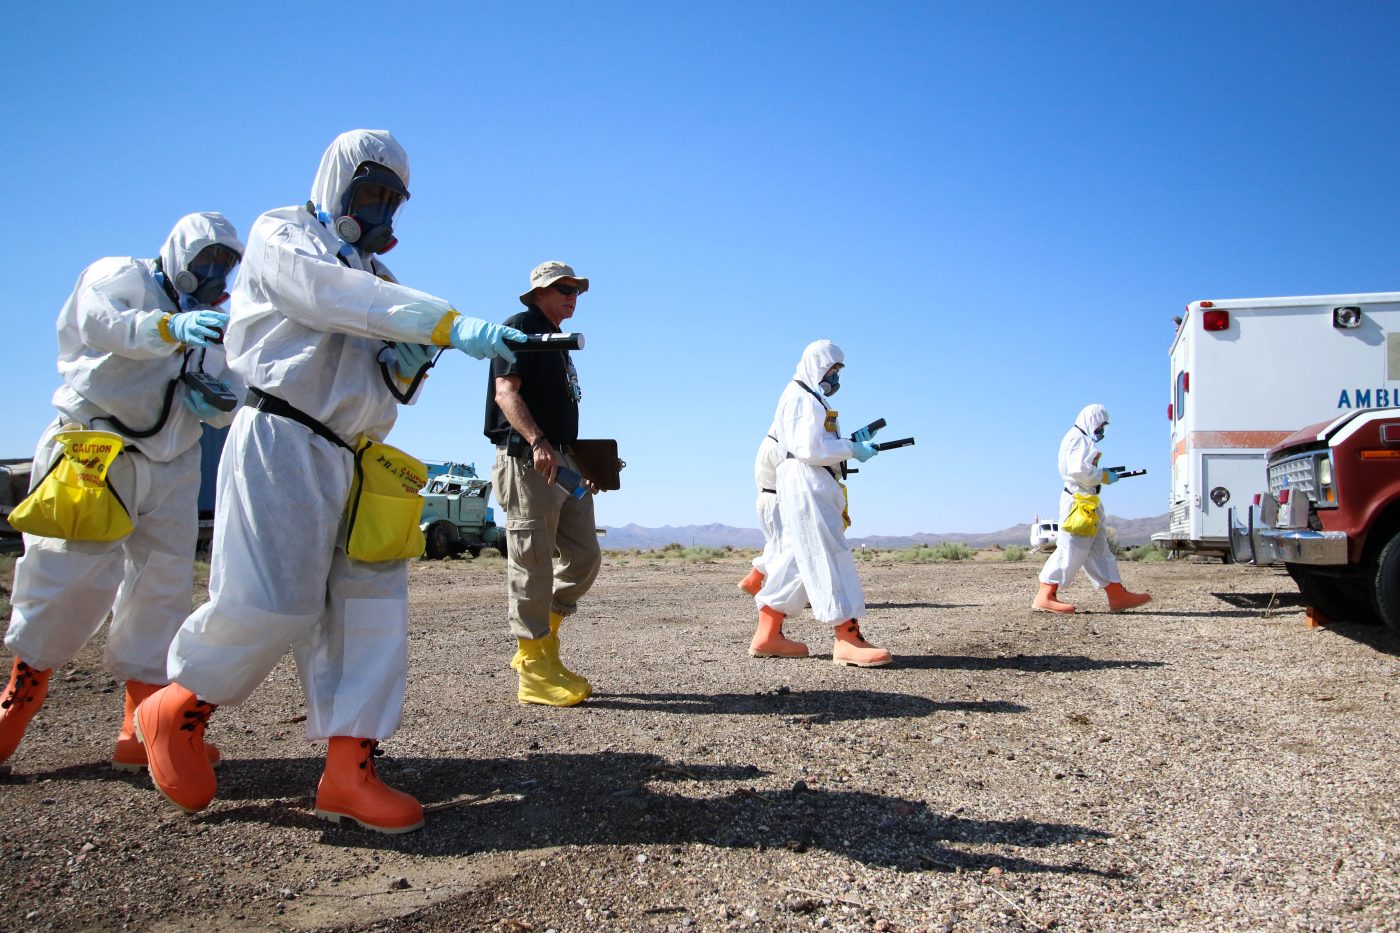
x: 1169, y: 411
x: 1215, y: 320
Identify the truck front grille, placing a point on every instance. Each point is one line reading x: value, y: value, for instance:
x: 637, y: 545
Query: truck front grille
x: 1297, y: 473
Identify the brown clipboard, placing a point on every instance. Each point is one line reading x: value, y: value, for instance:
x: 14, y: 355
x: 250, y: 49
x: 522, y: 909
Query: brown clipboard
x: 599, y: 463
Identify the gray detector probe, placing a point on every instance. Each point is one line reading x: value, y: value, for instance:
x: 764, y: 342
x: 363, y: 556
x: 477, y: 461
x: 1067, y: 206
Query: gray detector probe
x: 536, y: 343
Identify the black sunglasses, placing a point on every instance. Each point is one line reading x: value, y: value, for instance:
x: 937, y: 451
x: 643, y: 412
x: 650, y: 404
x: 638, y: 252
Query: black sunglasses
x: 565, y: 290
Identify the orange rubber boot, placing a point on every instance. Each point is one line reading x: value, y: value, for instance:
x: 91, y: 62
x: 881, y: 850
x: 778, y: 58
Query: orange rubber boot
x: 131, y: 754
x: 1046, y: 601
x: 171, y: 723
x: 752, y: 583
x: 350, y: 789
x: 22, y: 700
x: 852, y: 649
x: 768, y: 640
x: 1120, y: 599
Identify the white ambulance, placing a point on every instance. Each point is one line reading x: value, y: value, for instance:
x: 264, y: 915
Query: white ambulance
x: 1248, y: 372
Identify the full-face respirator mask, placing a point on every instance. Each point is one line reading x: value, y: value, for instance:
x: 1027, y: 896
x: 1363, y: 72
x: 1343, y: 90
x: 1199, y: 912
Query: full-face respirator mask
x: 204, y: 281
x: 831, y: 382
x: 366, y: 218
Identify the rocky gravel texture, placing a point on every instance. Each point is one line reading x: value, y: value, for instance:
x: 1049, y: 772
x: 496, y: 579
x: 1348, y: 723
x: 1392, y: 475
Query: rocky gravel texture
x: 1206, y: 763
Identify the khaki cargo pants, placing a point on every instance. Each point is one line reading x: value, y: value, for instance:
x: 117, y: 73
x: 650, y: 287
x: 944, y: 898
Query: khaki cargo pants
x: 552, y: 543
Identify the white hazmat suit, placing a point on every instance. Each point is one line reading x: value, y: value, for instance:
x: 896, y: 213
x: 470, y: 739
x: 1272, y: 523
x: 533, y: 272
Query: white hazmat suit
x: 1082, y: 474
x: 117, y: 363
x: 765, y: 478
x: 814, y: 564
x: 308, y: 319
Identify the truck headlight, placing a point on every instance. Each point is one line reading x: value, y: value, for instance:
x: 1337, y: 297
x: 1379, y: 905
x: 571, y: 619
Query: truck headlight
x: 1326, y: 493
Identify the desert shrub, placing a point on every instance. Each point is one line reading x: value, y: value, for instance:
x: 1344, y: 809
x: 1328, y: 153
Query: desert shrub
x: 1014, y: 553
x: 675, y: 547
x: 952, y: 550
x: 945, y: 550
x: 702, y: 553
x: 1146, y: 552
x: 863, y: 553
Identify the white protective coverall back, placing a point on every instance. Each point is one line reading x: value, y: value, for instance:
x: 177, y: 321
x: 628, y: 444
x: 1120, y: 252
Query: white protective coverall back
x: 1080, y: 470
x: 309, y: 315
x: 115, y: 363
x: 765, y: 480
x: 814, y: 563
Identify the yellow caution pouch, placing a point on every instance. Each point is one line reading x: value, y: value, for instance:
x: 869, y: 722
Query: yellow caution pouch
x: 1083, y: 518
x: 76, y: 500
x: 385, y: 508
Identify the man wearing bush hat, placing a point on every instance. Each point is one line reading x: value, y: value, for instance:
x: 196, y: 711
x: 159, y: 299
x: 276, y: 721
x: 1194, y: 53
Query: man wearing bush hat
x: 551, y: 539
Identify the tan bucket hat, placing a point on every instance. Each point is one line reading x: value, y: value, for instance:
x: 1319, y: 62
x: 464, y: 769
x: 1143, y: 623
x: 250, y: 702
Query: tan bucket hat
x: 547, y: 273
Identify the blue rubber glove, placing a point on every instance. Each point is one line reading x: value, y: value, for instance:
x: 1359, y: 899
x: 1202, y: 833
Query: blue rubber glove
x: 412, y: 357
x: 864, y: 434
x: 198, y: 328
x: 483, y: 340
x: 1110, y: 477
x: 864, y: 450
x: 197, y: 404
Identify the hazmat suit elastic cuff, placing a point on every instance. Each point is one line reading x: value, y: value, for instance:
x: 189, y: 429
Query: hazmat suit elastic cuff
x: 442, y: 333
x: 163, y: 329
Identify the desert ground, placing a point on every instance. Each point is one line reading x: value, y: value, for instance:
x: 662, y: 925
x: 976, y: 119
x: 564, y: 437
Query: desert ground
x: 1205, y: 763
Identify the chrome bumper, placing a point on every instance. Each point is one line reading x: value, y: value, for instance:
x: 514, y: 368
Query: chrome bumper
x: 1255, y: 541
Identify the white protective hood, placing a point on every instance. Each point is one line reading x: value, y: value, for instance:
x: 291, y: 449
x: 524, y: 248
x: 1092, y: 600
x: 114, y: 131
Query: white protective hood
x: 344, y: 155
x: 817, y: 358
x: 191, y: 234
x: 1090, y: 418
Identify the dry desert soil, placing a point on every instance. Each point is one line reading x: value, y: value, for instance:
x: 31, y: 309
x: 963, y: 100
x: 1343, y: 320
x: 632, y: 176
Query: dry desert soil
x: 1206, y: 763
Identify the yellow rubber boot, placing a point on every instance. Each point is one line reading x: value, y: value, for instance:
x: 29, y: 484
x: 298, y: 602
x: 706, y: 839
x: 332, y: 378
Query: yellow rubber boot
x: 1045, y: 600
x: 576, y: 682
x: 21, y: 700
x: 542, y: 677
x: 752, y: 583
x: 852, y: 649
x: 130, y: 754
x: 1120, y: 599
x: 768, y: 639
x: 351, y: 789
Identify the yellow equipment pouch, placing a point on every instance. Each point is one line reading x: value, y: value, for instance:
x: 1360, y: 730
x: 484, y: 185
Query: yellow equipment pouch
x: 1083, y: 518
x: 76, y: 500
x: 385, y: 509
x: 845, y: 506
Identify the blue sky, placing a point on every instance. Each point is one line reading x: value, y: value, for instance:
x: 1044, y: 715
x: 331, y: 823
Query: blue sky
x: 994, y: 208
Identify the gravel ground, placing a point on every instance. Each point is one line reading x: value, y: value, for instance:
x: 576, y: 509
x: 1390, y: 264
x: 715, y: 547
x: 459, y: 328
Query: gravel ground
x: 1206, y: 763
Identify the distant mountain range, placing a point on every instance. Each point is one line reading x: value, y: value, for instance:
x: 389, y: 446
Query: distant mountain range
x: 1130, y: 531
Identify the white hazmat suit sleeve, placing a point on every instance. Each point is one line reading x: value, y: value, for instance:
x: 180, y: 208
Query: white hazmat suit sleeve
x: 319, y: 292
x: 105, y: 321
x: 801, y: 426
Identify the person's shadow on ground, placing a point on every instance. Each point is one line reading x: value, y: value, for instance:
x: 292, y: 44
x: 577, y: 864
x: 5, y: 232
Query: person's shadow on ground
x: 1044, y: 663
x: 621, y: 798
x: 817, y: 705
